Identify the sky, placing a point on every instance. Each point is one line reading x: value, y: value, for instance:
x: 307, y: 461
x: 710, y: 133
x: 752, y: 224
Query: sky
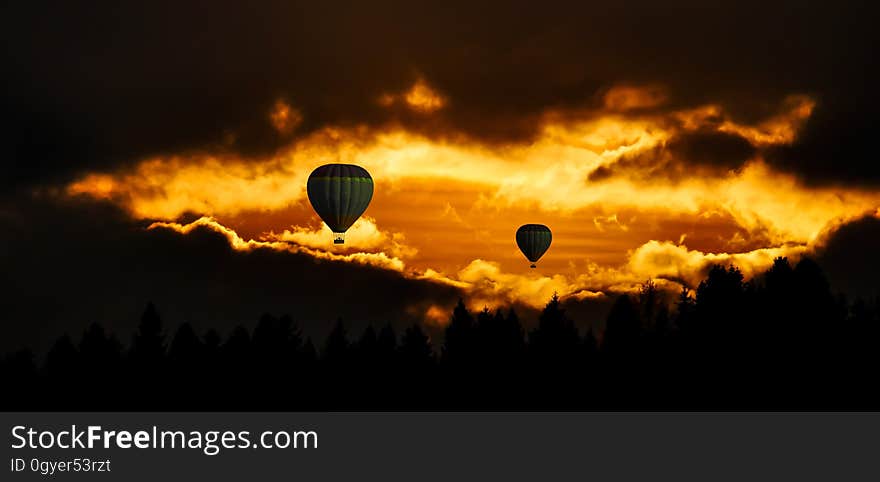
x: 160, y: 152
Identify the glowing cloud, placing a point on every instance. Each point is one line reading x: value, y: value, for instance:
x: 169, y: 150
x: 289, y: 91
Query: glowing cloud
x: 678, y: 263
x: 627, y: 97
x: 421, y: 97
x: 285, y: 119
x: 450, y: 205
x: 165, y: 188
x: 364, y: 235
x: 380, y: 259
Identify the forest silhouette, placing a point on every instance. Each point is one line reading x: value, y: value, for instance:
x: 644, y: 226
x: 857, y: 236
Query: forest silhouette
x: 782, y: 340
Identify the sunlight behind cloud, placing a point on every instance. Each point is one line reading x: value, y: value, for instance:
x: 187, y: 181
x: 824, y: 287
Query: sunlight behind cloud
x: 285, y: 119
x: 627, y: 97
x: 363, y: 235
x: 449, y: 205
x: 380, y: 259
x: 421, y: 97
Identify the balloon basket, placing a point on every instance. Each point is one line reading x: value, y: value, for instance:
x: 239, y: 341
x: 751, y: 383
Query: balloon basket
x: 532, y: 266
x: 338, y: 238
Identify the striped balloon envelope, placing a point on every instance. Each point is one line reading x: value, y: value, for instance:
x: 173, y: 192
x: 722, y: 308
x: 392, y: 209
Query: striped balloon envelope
x: 533, y: 240
x: 340, y: 193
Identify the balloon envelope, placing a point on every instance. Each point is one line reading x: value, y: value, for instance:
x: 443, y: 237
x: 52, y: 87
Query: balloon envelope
x: 340, y: 193
x: 533, y: 240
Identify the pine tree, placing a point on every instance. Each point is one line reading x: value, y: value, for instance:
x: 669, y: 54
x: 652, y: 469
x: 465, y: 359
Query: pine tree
x: 623, y: 328
x: 62, y: 361
x: 459, y: 343
x: 415, y: 349
x: 556, y: 339
x: 185, y: 351
x: 336, y: 348
x: 148, y: 348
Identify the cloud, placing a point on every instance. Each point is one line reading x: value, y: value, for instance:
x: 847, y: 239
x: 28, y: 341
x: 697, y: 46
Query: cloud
x: 623, y: 98
x: 378, y: 259
x: 490, y: 286
x: 706, y: 142
x: 678, y: 263
x: 75, y: 263
x: 437, y: 315
x: 165, y: 188
x: 850, y: 257
x: 780, y: 129
x: 423, y: 98
x: 442, y: 204
x: 498, y: 81
x: 671, y: 266
x: 206, y: 273
x: 602, y: 221
x: 363, y: 235
x: 420, y: 98
x: 285, y: 118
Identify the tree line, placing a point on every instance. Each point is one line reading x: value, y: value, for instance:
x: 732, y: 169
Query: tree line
x: 780, y: 341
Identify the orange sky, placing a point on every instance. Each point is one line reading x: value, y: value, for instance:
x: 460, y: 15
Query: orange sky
x: 447, y: 208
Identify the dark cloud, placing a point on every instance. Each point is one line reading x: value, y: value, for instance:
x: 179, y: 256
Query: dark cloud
x: 851, y: 258
x: 686, y: 154
x: 716, y: 149
x: 97, y: 85
x: 65, y: 266
x: 837, y: 146
x: 68, y: 264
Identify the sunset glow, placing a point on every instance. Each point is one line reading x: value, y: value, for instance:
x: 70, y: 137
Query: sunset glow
x: 446, y: 210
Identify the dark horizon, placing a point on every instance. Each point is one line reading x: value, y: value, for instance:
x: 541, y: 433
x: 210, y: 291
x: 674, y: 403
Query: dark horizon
x: 785, y: 341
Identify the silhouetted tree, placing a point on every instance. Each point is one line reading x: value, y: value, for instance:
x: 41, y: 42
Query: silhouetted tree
x: 513, y: 334
x: 720, y: 297
x: 186, y: 348
x: 459, y: 346
x: 368, y: 347
x: 415, y: 350
x: 276, y: 342
x: 590, y: 348
x: 237, y: 366
x: 650, y: 304
x: 386, y: 356
x: 336, y: 349
x: 101, y: 358
x: 100, y: 353
x: 366, y: 374
x: 387, y: 341
x: 555, y: 341
x: 685, y: 311
x: 337, y: 374
x: 623, y: 329
x: 212, y: 364
x: 148, y: 348
x: 238, y: 345
x: 62, y: 361
x: 308, y: 354
x: 185, y: 360
x: 20, y: 371
x: 211, y: 341
x: 781, y: 340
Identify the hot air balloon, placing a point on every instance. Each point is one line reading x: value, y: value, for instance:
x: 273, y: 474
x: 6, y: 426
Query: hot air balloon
x: 340, y: 193
x: 533, y: 240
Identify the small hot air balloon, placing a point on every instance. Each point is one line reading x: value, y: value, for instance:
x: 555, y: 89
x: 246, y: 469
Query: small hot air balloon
x: 340, y: 193
x: 533, y: 240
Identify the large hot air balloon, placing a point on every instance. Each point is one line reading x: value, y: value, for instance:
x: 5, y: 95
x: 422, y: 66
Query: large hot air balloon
x: 340, y: 193
x: 533, y: 240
